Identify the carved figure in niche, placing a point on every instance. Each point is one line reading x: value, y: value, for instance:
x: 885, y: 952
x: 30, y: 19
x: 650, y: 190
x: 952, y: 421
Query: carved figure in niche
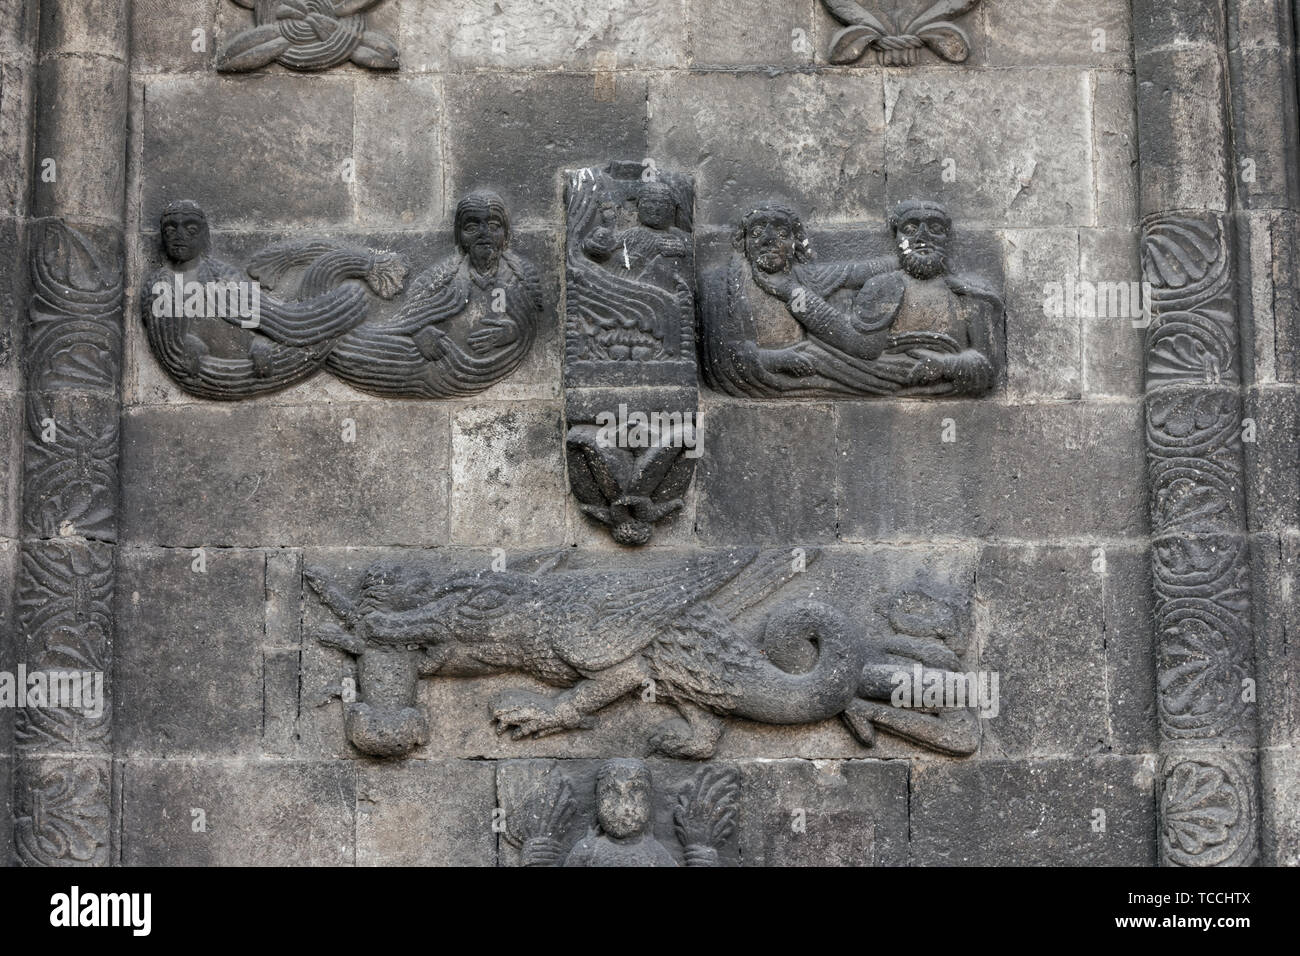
x: 777, y: 322
x: 307, y: 35
x: 630, y: 290
x: 704, y: 818
x: 221, y: 336
x: 630, y: 324
x: 901, y: 46
x: 467, y: 322
x: 602, y: 635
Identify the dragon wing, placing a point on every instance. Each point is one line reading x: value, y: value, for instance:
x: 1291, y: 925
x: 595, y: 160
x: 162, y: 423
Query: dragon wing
x: 626, y: 610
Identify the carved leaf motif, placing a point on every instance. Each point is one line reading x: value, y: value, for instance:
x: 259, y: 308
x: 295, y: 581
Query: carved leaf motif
x: 254, y: 48
x: 376, y: 51
x: 1180, y: 253
x: 1200, y: 807
x: 847, y: 11
x: 947, y: 40
x: 943, y: 10
x: 851, y: 43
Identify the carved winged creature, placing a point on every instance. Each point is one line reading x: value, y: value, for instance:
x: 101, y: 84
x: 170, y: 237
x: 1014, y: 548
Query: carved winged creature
x: 601, y: 635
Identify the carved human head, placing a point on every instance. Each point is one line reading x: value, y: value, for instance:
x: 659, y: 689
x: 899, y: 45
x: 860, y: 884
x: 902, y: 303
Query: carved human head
x: 482, y: 228
x: 656, y: 207
x: 624, y: 792
x: 771, y: 235
x: 183, y: 227
x: 922, y: 229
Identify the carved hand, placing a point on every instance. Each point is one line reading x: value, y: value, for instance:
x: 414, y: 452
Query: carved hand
x: 790, y: 361
x: 779, y: 284
x: 930, y: 367
x: 493, y: 335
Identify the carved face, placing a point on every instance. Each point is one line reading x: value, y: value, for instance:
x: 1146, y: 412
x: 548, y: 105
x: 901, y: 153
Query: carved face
x: 184, y: 236
x: 923, y: 243
x: 655, y: 208
x: 623, y: 795
x: 770, y: 242
x: 481, y: 234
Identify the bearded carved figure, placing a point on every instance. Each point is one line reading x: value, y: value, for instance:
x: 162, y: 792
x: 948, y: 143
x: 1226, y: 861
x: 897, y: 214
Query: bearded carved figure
x: 777, y: 321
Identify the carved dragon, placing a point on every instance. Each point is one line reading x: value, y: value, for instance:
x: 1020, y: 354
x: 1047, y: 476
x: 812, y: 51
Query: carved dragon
x: 602, y: 635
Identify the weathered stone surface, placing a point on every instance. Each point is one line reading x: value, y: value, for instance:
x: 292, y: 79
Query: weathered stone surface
x: 517, y: 131
x: 1188, y: 169
x: 1027, y: 471
x: 1112, y: 344
x: 1043, y: 347
x: 1130, y: 659
x: 12, y: 428
x: 162, y: 35
x: 753, y: 31
x: 189, y: 652
x: 426, y: 813
x: 1280, y: 773
x: 820, y: 142
x: 232, y: 476
x: 1114, y: 149
x: 1272, y: 479
x: 1275, y: 573
x: 1057, y: 32
x: 1043, y: 180
x: 252, y: 813
x: 824, y: 813
x: 262, y: 150
x: 1060, y: 655
x: 1045, y: 814
x: 767, y: 474
x: 507, y: 476
x: 398, y: 152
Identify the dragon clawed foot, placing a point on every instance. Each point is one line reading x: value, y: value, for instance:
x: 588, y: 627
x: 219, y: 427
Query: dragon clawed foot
x: 526, y: 714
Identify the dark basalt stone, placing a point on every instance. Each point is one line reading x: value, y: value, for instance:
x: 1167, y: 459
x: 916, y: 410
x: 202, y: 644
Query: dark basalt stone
x: 775, y: 321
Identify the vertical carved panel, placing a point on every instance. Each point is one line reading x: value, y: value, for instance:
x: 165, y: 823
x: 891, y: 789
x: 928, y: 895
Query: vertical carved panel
x: 631, y: 397
x: 65, y: 583
x: 1200, y: 554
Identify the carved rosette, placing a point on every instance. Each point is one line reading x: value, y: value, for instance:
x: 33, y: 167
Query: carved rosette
x: 66, y: 577
x: 1200, y: 554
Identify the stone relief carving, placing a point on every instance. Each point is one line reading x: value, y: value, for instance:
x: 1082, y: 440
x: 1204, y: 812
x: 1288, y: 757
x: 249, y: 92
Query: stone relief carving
x: 630, y: 345
x: 600, y: 635
x: 466, y: 323
x: 307, y: 35
x: 1200, y: 555
x: 775, y: 321
x: 553, y: 826
x: 931, y: 27
x: 64, y: 607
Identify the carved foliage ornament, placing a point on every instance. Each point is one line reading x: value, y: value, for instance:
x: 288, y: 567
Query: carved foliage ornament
x: 1200, y: 554
x: 307, y: 35
x: 899, y: 45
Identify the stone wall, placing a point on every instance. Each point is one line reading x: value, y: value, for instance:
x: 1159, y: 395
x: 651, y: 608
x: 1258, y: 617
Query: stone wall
x: 1022, y: 514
